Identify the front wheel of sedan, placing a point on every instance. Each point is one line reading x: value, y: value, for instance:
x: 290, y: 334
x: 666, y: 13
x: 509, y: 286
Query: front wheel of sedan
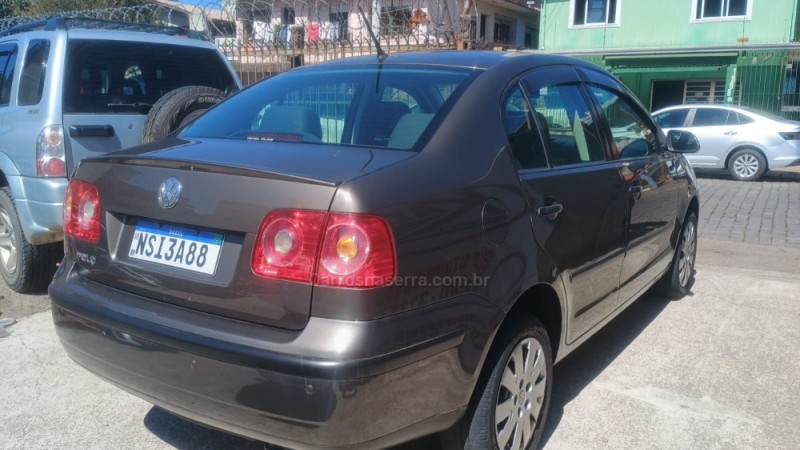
x: 511, y: 400
x: 678, y: 280
x: 747, y: 165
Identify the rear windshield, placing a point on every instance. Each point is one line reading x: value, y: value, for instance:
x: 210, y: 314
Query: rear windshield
x: 393, y: 107
x: 128, y: 77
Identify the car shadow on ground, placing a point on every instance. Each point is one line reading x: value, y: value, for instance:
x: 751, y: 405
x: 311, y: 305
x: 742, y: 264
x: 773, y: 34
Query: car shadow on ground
x: 571, y: 375
x: 772, y: 176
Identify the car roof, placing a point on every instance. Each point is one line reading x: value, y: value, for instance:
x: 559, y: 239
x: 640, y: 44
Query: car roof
x: 136, y: 36
x: 477, y: 59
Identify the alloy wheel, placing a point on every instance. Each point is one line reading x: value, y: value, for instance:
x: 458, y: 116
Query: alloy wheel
x: 521, y: 395
x: 8, y: 247
x: 746, y: 166
x: 688, y: 250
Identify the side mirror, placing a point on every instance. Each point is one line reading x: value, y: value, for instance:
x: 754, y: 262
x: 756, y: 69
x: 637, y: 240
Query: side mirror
x: 681, y: 141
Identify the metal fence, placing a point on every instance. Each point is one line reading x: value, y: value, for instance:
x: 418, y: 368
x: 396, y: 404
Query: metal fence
x: 263, y: 37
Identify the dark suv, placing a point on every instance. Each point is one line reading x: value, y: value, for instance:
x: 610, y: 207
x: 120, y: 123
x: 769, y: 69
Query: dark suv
x: 358, y: 253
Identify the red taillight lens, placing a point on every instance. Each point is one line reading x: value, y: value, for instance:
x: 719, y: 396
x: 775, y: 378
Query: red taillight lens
x: 358, y: 251
x: 345, y: 250
x: 287, y: 245
x: 82, y: 211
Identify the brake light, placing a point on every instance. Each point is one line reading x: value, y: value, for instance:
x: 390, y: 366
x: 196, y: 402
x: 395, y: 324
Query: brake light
x: 344, y: 250
x: 357, y: 251
x: 82, y: 211
x: 287, y: 245
x: 50, y: 154
x: 791, y: 136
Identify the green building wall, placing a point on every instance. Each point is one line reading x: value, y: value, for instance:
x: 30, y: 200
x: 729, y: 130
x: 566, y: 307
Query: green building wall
x: 667, y: 23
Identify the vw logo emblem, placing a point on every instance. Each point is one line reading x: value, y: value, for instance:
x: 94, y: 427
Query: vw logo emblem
x: 169, y: 193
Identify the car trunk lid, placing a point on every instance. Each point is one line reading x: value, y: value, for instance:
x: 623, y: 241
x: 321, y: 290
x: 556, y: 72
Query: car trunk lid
x: 227, y: 188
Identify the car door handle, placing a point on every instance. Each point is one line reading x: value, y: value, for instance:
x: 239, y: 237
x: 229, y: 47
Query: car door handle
x: 636, y: 191
x: 730, y: 133
x: 77, y: 131
x: 550, y: 212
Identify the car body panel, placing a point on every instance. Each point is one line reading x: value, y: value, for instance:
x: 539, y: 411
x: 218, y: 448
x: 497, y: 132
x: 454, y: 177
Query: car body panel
x: 307, y: 365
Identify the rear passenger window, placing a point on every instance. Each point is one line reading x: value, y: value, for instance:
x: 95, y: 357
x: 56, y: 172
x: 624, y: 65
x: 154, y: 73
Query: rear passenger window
x: 8, y: 60
x: 633, y: 137
x: 743, y: 120
x: 31, y: 82
x: 525, y: 143
x: 567, y: 125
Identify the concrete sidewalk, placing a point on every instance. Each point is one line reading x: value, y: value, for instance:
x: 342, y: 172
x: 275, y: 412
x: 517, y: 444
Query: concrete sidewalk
x: 716, y: 369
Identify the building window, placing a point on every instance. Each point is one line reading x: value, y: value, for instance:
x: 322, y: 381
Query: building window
x: 394, y: 20
x: 588, y: 12
x: 707, y: 91
x: 502, y: 31
x: 288, y: 16
x: 710, y: 9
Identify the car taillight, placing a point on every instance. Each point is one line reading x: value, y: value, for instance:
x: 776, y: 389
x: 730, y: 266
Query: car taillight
x: 791, y: 135
x: 344, y: 250
x: 50, y: 154
x: 358, y: 251
x: 82, y: 211
x: 287, y: 245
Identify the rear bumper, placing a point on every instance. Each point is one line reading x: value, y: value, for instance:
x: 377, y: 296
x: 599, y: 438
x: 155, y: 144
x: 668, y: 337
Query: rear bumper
x: 269, y: 387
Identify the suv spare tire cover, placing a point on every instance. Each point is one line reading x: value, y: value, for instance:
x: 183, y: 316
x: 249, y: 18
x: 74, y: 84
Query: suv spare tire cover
x: 177, y: 108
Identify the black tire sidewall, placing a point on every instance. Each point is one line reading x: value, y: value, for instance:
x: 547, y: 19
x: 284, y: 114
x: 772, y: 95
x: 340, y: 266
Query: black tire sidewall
x: 762, y: 164
x: 13, y: 280
x: 676, y: 287
x: 170, y: 112
x: 521, y: 328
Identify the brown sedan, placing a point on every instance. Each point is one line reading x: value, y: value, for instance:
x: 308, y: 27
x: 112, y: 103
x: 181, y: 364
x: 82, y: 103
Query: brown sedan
x: 362, y: 252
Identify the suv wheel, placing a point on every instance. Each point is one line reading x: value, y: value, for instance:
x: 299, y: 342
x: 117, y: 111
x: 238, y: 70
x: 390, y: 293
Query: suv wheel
x: 678, y: 280
x: 177, y: 108
x: 747, y: 165
x: 510, y: 407
x: 25, y: 267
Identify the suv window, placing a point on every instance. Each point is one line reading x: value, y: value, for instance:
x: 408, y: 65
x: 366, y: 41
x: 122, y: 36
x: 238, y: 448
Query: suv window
x: 632, y: 135
x: 31, y: 83
x: 115, y: 77
x: 8, y: 59
x: 672, y: 119
x: 567, y: 125
x: 521, y: 131
x: 713, y: 117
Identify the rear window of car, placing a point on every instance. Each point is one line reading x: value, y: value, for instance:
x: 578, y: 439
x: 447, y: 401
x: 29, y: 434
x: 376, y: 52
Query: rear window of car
x: 128, y: 77
x: 392, y: 107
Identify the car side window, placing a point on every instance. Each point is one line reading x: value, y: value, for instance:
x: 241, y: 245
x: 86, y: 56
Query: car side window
x: 672, y: 119
x: 567, y: 125
x: 633, y: 136
x: 743, y: 120
x: 7, y: 62
x: 711, y: 117
x: 31, y: 82
x: 526, y: 146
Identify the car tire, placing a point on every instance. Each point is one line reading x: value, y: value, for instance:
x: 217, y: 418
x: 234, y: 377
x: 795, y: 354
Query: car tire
x: 483, y: 426
x: 25, y: 267
x: 747, y: 165
x: 678, y: 280
x: 177, y: 108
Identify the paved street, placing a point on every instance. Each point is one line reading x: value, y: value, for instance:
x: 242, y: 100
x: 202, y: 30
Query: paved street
x: 714, y: 370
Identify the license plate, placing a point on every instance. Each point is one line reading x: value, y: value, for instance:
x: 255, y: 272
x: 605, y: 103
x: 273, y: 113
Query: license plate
x: 173, y: 246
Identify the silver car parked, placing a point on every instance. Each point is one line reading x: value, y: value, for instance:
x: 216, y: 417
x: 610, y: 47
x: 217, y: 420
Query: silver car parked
x: 745, y: 141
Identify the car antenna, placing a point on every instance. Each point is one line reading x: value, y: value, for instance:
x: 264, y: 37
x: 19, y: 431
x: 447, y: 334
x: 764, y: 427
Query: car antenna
x: 381, y: 53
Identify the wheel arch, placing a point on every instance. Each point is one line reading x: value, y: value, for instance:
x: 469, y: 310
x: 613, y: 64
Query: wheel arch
x: 543, y: 302
x: 746, y: 147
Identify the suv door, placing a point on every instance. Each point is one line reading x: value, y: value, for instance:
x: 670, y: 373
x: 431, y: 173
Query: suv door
x: 716, y: 130
x: 577, y: 197
x: 652, y: 193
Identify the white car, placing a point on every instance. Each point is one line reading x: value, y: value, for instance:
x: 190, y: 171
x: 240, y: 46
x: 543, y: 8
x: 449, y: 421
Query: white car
x: 745, y: 141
